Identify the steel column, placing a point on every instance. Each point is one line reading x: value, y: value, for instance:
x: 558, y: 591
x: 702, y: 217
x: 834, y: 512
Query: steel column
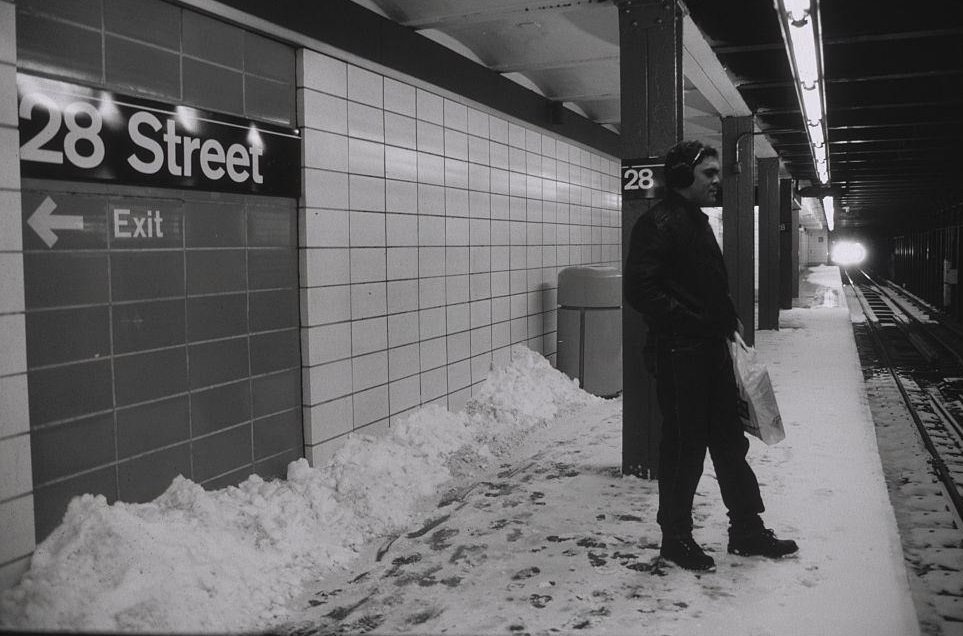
x: 794, y: 228
x: 650, y: 49
x: 957, y: 310
x: 786, y: 231
x: 738, y: 218
x: 769, y: 201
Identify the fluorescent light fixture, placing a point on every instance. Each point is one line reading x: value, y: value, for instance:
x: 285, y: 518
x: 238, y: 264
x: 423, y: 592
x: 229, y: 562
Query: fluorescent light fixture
x: 802, y: 34
x: 803, y: 42
x: 812, y: 105
x: 829, y: 208
x: 816, y: 137
x: 798, y: 9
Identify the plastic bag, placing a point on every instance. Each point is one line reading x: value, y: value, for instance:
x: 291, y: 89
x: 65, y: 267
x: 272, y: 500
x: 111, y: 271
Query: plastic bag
x: 758, y: 409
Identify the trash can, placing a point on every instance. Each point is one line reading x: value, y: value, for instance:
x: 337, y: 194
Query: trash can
x: 590, y: 327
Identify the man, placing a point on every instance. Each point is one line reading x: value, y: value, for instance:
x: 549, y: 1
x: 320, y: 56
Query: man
x: 676, y: 277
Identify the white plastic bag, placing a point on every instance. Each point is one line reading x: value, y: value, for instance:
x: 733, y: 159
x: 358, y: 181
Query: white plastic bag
x: 759, y: 412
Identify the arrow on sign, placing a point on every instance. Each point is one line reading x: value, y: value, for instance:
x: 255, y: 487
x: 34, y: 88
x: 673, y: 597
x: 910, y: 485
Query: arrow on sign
x: 44, y: 222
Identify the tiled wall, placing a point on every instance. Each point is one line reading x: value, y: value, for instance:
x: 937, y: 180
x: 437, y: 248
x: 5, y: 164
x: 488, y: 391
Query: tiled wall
x: 192, y: 59
x: 153, y: 357
x: 432, y: 233
x: 179, y: 357
x: 16, y: 483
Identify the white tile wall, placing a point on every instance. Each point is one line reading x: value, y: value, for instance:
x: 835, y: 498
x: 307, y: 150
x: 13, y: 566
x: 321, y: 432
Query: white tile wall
x: 16, y: 480
x: 16, y: 519
x: 433, y: 236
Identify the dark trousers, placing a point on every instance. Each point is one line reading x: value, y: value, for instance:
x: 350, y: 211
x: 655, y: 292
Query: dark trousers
x: 698, y: 399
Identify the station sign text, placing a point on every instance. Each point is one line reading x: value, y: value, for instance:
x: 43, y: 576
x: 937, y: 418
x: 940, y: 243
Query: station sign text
x: 642, y: 178
x: 75, y: 132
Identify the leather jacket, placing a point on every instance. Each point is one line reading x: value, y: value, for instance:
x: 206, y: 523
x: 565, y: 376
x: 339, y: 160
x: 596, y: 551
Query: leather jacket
x: 675, y: 274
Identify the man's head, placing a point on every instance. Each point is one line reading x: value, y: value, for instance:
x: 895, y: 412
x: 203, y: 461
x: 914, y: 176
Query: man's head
x: 692, y: 170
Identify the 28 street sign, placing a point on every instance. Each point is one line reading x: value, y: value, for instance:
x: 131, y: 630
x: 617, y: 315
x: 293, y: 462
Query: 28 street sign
x: 642, y: 178
x: 76, y: 132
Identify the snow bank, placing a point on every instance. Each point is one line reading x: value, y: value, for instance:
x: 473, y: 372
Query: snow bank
x: 229, y: 560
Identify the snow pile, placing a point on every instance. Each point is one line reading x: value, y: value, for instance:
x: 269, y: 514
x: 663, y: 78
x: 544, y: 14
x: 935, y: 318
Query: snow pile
x: 519, y: 396
x: 229, y: 560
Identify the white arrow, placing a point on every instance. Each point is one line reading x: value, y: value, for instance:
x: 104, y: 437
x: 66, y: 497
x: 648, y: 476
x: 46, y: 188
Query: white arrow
x: 44, y: 222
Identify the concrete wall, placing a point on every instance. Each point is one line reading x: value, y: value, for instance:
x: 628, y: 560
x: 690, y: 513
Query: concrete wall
x: 432, y: 234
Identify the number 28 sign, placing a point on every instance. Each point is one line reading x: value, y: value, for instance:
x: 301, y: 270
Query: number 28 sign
x: 642, y: 178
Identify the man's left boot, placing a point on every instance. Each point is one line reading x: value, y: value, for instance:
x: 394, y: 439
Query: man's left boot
x: 760, y: 542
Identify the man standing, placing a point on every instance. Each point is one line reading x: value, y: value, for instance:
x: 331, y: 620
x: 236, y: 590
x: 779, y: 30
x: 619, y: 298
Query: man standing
x: 676, y: 277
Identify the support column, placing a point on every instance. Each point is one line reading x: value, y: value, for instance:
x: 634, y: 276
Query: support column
x: 786, y: 231
x: 769, y: 243
x: 738, y: 218
x: 796, y: 264
x: 650, y: 46
x: 958, y: 310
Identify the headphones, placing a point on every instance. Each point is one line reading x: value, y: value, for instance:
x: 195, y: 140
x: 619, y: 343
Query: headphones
x: 681, y: 174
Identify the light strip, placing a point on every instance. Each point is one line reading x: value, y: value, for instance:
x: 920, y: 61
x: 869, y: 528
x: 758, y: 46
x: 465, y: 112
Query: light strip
x: 801, y: 32
x: 829, y: 208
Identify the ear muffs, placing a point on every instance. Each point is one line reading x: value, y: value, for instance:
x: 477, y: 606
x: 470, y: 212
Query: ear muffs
x: 681, y: 175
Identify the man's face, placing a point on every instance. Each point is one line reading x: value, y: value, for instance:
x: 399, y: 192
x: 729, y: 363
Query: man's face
x: 705, y: 187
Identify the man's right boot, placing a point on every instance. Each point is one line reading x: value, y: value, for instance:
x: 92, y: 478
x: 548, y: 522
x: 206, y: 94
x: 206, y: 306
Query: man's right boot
x: 761, y: 542
x: 686, y: 553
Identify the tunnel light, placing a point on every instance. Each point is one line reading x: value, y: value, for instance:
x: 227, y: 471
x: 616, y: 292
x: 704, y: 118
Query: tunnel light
x: 829, y: 208
x: 848, y: 253
x: 801, y: 32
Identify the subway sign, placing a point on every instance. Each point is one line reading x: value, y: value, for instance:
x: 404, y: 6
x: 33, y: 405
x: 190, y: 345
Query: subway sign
x: 642, y: 178
x: 74, y: 132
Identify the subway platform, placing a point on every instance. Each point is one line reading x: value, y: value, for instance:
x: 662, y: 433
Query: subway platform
x: 555, y: 540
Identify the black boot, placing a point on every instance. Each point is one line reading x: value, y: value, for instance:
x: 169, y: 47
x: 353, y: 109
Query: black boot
x: 762, y: 542
x: 686, y: 553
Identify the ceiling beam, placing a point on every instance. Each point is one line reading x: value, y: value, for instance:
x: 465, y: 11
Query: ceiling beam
x: 526, y: 11
x: 701, y: 66
x: 523, y: 66
x: 877, y: 106
x: 583, y: 97
x: 853, y: 39
x: 754, y: 85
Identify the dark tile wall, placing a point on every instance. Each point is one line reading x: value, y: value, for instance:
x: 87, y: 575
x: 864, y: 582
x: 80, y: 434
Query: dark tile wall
x: 154, y: 357
x: 159, y: 50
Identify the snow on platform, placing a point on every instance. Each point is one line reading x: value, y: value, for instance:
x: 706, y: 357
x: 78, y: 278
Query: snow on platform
x: 511, y: 518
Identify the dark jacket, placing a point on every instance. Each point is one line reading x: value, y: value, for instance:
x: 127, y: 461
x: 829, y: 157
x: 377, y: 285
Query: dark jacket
x: 675, y: 275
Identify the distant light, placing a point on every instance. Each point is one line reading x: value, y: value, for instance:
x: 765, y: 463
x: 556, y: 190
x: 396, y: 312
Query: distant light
x: 848, y: 253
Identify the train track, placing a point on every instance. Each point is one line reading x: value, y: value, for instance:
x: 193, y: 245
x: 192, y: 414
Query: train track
x: 924, y: 355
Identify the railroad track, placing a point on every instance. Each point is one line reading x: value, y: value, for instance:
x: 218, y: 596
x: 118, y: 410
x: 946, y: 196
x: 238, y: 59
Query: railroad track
x: 924, y: 355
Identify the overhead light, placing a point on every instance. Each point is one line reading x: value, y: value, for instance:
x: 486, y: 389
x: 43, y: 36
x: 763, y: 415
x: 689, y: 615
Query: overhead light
x: 802, y: 34
x: 829, y: 208
x: 798, y: 9
x: 804, y: 45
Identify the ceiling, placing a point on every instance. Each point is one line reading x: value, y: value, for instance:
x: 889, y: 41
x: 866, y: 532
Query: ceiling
x: 894, y: 77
